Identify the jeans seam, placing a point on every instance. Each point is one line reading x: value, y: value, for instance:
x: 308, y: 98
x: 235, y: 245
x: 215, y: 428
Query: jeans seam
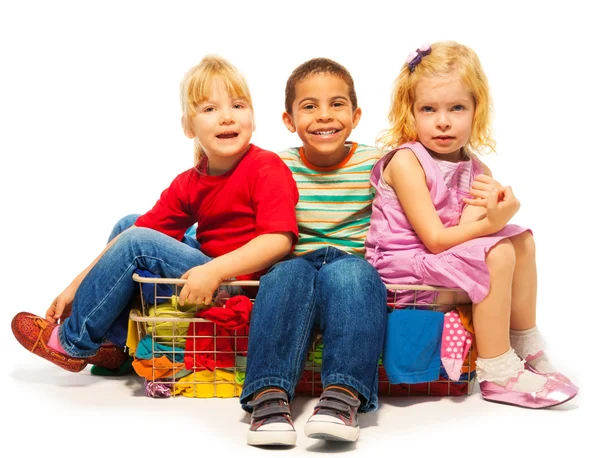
x: 300, y: 356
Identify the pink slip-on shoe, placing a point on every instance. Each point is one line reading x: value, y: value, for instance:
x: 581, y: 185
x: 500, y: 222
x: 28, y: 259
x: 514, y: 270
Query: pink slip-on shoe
x: 552, y: 393
x: 553, y: 375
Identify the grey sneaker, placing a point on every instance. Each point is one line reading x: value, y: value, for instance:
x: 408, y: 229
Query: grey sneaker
x: 271, y: 422
x: 334, y: 418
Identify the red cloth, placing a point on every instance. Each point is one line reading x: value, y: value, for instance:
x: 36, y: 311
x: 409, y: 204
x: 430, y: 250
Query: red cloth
x: 437, y: 388
x: 309, y: 383
x: 215, y: 345
x: 258, y: 196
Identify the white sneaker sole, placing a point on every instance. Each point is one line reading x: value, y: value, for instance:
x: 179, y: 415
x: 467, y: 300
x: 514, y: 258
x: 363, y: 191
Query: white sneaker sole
x: 271, y: 438
x: 331, y: 431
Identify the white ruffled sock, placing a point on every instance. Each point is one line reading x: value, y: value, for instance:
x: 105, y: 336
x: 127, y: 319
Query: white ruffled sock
x: 529, y: 345
x: 505, y: 367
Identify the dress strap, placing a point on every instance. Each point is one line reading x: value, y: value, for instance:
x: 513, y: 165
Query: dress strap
x: 420, y: 152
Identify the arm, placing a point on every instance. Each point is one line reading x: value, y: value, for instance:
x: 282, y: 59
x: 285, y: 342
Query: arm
x: 274, y: 195
x: 169, y: 215
x: 256, y: 255
x: 405, y: 174
x: 64, y: 300
x: 472, y: 212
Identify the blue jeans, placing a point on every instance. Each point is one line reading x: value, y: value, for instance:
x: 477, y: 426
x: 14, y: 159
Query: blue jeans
x: 338, y: 293
x: 127, y: 221
x: 117, y: 333
x: 105, y: 292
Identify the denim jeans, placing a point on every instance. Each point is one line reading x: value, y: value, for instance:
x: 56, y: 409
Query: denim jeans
x: 117, y: 333
x: 105, y: 292
x: 338, y: 293
x: 127, y: 221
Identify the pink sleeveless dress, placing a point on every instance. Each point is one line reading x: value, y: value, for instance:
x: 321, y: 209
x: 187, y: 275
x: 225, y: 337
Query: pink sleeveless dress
x: 399, y: 255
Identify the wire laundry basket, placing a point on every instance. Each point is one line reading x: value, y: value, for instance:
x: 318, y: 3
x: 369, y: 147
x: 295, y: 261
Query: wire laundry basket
x: 180, y: 352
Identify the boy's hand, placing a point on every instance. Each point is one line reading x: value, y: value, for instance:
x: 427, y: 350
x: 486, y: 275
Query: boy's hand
x: 502, y: 206
x: 482, y: 188
x: 202, y: 282
x: 61, y: 306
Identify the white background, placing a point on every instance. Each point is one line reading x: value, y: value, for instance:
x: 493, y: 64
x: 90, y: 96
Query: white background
x: 90, y: 131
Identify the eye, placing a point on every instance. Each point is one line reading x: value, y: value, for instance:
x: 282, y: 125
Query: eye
x: 458, y: 108
x: 427, y: 109
x: 238, y: 106
x: 309, y: 106
x: 338, y: 104
x: 208, y: 109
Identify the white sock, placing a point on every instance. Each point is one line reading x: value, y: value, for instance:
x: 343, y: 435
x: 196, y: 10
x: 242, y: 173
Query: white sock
x: 503, y: 368
x: 530, y: 343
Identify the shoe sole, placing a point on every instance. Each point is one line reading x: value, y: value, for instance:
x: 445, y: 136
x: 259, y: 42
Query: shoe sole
x: 331, y: 431
x: 528, y: 407
x: 271, y: 438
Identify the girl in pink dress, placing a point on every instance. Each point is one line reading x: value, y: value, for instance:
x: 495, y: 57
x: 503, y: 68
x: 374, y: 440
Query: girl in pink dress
x: 440, y: 219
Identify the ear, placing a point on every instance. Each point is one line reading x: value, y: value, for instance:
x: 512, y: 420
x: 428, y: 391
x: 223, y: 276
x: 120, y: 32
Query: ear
x: 356, y: 117
x: 289, y: 122
x: 188, y: 130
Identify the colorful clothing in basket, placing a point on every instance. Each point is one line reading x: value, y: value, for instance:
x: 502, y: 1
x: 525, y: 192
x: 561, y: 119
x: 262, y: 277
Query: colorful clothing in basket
x: 396, y: 251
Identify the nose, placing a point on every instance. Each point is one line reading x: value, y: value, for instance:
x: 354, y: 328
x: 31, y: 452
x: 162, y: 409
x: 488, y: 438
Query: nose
x: 226, y: 117
x: 324, y: 114
x: 443, y: 121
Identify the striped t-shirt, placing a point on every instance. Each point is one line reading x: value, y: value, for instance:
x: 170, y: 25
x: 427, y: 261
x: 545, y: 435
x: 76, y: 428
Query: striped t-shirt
x: 335, y: 202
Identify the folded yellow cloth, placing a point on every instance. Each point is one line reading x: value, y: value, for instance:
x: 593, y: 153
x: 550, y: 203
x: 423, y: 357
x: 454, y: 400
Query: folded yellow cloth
x: 208, y: 384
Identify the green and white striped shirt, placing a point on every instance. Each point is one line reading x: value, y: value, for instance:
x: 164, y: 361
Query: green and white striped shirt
x: 335, y: 202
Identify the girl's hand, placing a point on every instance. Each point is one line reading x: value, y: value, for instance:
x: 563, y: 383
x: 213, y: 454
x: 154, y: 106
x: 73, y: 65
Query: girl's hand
x: 61, y: 306
x: 502, y: 206
x: 202, y: 282
x: 482, y: 188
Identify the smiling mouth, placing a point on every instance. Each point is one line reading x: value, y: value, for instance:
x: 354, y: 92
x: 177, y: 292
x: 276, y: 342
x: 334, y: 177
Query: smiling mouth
x: 325, y: 132
x: 227, y: 135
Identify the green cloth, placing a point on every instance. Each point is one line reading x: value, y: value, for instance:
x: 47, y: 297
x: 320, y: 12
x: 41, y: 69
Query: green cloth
x: 124, y: 369
x: 317, y: 355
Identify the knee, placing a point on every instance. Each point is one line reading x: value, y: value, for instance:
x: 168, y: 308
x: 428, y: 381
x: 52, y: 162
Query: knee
x: 136, y: 236
x: 354, y: 275
x: 524, y: 246
x: 295, y: 272
x: 501, y: 256
x: 122, y: 225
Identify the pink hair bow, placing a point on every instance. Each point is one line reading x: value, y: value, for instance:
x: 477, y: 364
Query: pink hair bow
x: 414, y: 58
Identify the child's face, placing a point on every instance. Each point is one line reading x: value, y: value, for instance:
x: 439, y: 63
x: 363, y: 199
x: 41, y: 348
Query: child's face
x: 443, y: 111
x: 322, y: 115
x: 223, y: 127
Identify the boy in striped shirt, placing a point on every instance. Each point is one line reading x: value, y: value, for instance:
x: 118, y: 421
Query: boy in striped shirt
x: 327, y: 284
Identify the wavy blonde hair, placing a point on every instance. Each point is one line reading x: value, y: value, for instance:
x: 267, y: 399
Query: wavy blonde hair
x: 446, y: 58
x: 197, y: 84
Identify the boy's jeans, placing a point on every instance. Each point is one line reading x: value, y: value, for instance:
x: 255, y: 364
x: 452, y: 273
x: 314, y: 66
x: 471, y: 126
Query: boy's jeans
x: 105, y: 292
x: 339, y: 293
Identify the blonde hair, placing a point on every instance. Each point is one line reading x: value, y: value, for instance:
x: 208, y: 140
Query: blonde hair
x: 197, y: 84
x: 446, y: 58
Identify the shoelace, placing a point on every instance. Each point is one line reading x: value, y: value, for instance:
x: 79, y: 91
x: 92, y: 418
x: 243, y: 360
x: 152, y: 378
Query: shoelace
x: 42, y: 325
